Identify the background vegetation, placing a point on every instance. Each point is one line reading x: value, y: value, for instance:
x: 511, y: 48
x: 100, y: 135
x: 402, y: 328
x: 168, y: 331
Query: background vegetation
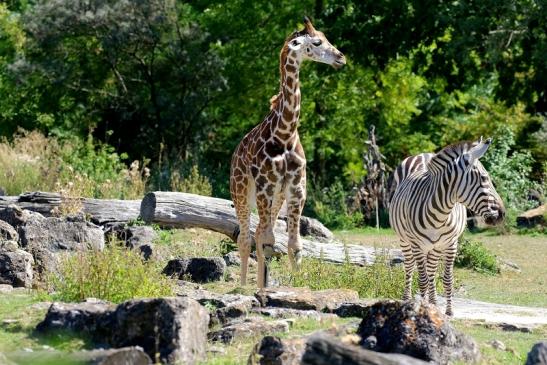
x: 175, y: 85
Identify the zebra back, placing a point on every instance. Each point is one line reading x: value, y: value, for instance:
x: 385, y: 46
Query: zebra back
x: 406, y: 168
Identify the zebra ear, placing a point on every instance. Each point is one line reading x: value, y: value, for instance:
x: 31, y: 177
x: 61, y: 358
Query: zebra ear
x: 479, y: 150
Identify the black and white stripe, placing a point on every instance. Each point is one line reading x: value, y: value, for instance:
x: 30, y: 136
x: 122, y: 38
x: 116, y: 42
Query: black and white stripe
x: 427, y: 210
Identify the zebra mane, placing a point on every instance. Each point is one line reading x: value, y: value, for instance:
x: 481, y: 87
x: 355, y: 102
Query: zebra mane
x: 449, y: 153
x: 458, y: 147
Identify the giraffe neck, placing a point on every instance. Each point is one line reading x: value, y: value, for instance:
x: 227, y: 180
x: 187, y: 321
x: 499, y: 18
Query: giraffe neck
x: 288, y: 105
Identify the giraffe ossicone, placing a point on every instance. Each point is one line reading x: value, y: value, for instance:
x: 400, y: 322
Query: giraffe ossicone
x: 269, y: 166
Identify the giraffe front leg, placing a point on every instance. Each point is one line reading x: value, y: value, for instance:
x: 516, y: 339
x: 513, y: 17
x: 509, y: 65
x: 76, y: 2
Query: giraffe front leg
x: 265, y: 240
x: 409, y: 269
x: 448, y: 278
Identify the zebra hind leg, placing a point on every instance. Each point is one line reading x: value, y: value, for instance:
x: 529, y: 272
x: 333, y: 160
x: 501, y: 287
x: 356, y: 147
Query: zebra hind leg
x: 431, y: 268
x: 409, y: 270
x: 448, y: 278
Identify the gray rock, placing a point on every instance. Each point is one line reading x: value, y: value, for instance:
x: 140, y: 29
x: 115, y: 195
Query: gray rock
x: 312, y: 227
x: 357, y: 308
x: 250, y: 327
x: 90, y: 317
x: 7, y: 232
x: 16, y: 268
x: 222, y: 307
x: 198, y: 269
x: 16, y: 216
x: 498, y: 345
x: 304, y: 298
x: 272, y: 350
x: 232, y: 258
x: 61, y: 234
x: 6, y: 288
x: 135, y: 237
x: 174, y: 329
x: 274, y: 312
x: 122, y: 356
x: 416, y: 329
x: 533, y: 217
x: 538, y: 354
x: 323, y: 349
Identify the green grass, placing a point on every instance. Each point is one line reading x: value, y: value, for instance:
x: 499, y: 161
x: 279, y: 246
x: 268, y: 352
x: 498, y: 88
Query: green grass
x: 518, y: 343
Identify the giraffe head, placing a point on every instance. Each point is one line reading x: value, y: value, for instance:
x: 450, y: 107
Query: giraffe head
x: 311, y: 44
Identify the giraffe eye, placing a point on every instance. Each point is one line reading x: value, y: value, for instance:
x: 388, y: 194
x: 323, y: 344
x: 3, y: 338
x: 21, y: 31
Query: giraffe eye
x: 317, y: 42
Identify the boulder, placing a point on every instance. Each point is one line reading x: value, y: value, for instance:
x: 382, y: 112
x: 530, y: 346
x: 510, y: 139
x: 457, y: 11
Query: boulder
x: 538, y: 354
x: 16, y: 216
x: 416, y: 329
x: 357, y: 308
x: 89, y: 317
x: 312, y: 227
x: 173, y: 329
x: 274, y: 312
x: 273, y: 350
x: 170, y: 330
x: 304, y: 298
x: 222, y: 307
x: 197, y: 269
x: 533, y: 217
x: 232, y: 258
x: 15, y: 266
x: 7, y: 232
x: 250, y: 327
x: 323, y: 349
x: 6, y: 288
x: 61, y: 234
x: 121, y: 356
x: 135, y: 237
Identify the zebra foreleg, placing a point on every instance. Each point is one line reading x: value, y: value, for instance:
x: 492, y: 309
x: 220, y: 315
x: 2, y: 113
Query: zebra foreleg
x: 423, y: 279
x: 431, y: 268
x: 409, y: 269
x: 448, y: 278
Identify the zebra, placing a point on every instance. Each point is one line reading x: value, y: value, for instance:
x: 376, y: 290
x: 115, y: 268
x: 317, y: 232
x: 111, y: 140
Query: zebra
x: 428, y: 210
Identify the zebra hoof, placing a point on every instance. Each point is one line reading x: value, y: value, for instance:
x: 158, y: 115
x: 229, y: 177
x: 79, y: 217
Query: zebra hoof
x: 449, y: 313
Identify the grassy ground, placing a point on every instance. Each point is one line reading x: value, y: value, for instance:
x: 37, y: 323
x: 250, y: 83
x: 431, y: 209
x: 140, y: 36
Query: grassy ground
x: 19, y: 313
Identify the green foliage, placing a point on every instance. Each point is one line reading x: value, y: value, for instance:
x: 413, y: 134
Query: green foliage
x: 330, y: 205
x: 474, y: 255
x: 115, y: 274
x: 510, y: 172
x: 194, y: 182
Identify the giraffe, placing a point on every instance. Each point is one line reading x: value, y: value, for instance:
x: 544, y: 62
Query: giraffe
x: 269, y: 166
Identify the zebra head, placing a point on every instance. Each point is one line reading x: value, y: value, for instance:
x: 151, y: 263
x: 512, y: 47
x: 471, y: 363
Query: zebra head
x: 476, y: 190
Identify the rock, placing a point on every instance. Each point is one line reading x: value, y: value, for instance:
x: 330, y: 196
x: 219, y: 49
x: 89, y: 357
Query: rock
x: 198, y: 269
x: 7, y: 232
x: 16, y: 268
x: 416, y: 329
x: 533, y: 217
x: 121, y: 356
x: 135, y: 237
x: 357, y: 308
x: 509, y: 265
x: 174, y: 329
x: 272, y: 350
x: 250, y: 327
x: 498, y: 345
x: 232, y: 258
x: 538, y: 354
x: 312, y: 227
x: 222, y: 307
x: 323, y: 349
x: 509, y: 327
x: 89, y: 317
x: 16, y: 216
x: 304, y: 298
x: 6, y: 288
x: 274, y: 312
x: 61, y: 234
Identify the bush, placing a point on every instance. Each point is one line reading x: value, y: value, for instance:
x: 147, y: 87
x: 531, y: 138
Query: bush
x: 473, y: 255
x: 72, y: 167
x: 115, y: 274
x: 193, y: 182
x: 330, y: 206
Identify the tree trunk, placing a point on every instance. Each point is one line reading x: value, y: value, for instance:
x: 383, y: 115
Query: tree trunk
x: 181, y: 210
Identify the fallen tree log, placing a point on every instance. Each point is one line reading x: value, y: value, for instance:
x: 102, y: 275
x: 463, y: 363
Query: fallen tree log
x: 182, y: 210
x: 100, y: 211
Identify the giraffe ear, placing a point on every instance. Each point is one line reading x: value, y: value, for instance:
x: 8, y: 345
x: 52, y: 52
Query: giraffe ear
x: 295, y: 44
x: 309, y: 26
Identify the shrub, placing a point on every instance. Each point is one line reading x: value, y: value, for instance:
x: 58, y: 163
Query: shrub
x: 193, y: 182
x: 115, y: 274
x: 72, y: 167
x: 330, y: 206
x: 473, y: 255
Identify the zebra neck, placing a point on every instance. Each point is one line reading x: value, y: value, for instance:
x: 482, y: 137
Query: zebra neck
x: 443, y: 194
